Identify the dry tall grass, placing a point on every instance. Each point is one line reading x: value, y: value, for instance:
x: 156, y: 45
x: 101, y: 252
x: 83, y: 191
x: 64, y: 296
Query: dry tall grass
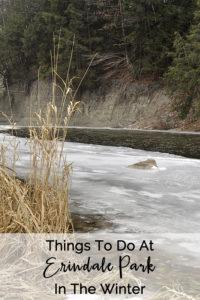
x: 40, y: 205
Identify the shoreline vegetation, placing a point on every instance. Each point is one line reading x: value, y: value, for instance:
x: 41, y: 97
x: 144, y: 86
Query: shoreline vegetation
x: 40, y: 204
x: 129, y: 38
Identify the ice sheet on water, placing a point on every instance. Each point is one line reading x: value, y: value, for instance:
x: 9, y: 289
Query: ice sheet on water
x: 162, y: 200
x: 166, y: 199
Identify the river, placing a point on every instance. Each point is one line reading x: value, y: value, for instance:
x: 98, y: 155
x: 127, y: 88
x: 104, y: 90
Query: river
x: 104, y: 189
x: 108, y: 197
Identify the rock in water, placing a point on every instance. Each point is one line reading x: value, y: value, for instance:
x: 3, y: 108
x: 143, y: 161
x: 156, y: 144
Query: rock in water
x: 146, y: 164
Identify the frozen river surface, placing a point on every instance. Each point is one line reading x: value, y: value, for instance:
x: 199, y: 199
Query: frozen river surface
x: 165, y: 199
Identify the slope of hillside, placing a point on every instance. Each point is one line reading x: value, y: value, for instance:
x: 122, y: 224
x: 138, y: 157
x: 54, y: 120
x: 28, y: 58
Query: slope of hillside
x: 137, y: 105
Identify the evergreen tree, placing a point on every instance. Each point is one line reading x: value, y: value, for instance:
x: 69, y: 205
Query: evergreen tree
x: 19, y: 15
x: 132, y: 34
x: 183, y: 77
x: 150, y: 27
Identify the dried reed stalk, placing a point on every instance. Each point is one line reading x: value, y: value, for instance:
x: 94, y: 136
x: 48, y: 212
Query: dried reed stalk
x: 40, y: 205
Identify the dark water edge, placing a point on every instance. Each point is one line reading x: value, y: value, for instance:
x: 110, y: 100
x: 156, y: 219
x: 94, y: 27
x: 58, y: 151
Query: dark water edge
x: 85, y: 223
x: 179, y: 143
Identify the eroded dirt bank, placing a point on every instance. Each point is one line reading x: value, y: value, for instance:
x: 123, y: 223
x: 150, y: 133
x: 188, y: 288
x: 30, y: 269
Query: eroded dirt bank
x: 136, y: 105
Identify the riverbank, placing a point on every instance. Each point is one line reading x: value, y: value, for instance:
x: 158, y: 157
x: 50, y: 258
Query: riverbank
x: 116, y: 104
x: 134, y: 105
x: 185, y: 144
